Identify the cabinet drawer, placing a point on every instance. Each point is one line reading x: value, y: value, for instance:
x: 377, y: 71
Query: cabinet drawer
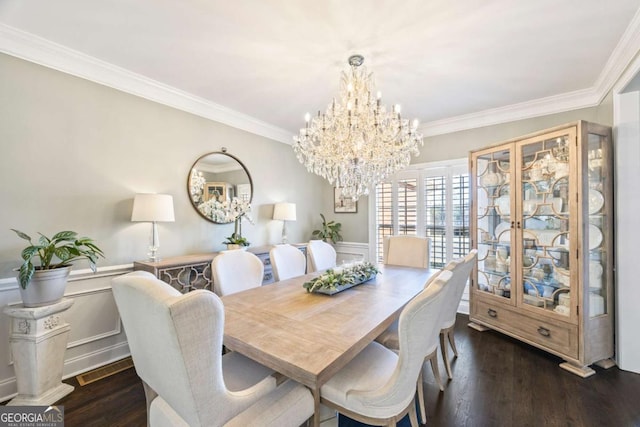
x: 559, y: 338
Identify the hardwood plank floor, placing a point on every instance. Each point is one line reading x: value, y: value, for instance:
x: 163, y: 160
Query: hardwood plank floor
x: 497, y: 381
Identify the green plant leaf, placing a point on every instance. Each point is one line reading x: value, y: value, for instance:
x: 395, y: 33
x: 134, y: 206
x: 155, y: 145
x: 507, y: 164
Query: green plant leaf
x: 26, y: 273
x: 63, y: 253
x: 64, y: 236
x: 21, y: 234
x: 29, y: 251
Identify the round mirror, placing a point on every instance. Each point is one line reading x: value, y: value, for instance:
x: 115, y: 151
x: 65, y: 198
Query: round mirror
x: 214, y: 181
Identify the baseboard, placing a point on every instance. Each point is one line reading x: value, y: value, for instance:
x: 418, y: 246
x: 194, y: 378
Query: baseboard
x: 463, y: 307
x: 8, y: 389
x: 96, y: 359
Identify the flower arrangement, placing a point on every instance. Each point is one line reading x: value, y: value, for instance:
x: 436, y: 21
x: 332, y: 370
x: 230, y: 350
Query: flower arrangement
x: 340, y: 278
x: 196, y: 185
x: 229, y: 211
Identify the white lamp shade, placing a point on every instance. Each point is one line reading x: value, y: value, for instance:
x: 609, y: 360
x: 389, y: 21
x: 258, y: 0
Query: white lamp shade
x: 284, y: 211
x: 153, y: 207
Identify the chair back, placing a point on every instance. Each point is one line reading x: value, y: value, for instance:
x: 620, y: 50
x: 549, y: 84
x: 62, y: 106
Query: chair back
x: 235, y: 271
x: 180, y: 362
x: 287, y: 261
x: 321, y: 255
x: 461, y: 272
x: 409, y: 251
x: 418, y: 331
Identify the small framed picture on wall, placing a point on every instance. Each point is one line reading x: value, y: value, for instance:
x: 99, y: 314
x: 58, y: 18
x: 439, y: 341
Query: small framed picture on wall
x: 342, y: 204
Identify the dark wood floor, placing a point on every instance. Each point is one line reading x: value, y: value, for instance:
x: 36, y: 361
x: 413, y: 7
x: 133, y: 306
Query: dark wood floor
x: 497, y: 381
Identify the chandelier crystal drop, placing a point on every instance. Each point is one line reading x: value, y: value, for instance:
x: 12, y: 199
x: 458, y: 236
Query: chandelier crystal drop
x: 357, y: 142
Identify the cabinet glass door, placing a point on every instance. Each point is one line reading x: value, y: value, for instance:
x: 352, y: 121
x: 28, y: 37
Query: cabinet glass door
x: 544, y: 226
x: 596, y: 229
x: 494, y: 223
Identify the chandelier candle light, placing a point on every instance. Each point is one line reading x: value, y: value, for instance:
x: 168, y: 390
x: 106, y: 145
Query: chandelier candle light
x: 357, y: 142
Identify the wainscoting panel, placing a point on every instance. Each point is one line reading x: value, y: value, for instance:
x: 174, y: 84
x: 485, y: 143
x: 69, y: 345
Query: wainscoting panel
x: 352, y: 251
x: 96, y: 316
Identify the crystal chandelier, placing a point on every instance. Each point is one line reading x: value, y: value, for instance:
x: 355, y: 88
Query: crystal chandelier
x: 357, y: 142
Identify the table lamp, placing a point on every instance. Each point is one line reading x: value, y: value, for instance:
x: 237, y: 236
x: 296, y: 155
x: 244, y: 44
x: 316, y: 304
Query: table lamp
x: 153, y: 208
x: 284, y: 212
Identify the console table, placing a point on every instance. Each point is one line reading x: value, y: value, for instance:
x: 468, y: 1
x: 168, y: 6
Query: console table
x: 189, y: 272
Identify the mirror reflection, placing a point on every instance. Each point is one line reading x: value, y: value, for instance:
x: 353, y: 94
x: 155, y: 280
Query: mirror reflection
x: 214, y: 181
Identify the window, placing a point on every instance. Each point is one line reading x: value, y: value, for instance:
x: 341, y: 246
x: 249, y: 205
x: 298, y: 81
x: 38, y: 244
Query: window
x: 426, y: 200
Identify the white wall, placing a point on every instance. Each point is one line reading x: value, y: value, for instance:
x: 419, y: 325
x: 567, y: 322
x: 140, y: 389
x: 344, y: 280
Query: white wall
x: 72, y: 156
x: 627, y: 190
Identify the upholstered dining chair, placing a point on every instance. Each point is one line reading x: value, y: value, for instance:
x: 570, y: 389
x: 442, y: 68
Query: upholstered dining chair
x: 379, y: 385
x: 461, y: 272
x: 389, y: 338
x: 409, y: 251
x: 287, y: 261
x: 176, y: 345
x: 321, y: 255
x: 236, y: 270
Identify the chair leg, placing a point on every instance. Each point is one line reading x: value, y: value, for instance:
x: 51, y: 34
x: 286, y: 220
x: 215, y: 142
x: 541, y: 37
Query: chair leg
x: 421, y: 404
x: 452, y: 341
x: 413, y: 417
x: 149, y: 395
x: 433, y: 358
x: 445, y: 353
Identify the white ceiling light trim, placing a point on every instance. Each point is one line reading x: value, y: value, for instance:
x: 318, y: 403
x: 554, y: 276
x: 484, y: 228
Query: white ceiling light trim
x: 35, y: 49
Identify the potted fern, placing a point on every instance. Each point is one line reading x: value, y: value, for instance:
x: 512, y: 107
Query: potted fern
x: 44, y: 284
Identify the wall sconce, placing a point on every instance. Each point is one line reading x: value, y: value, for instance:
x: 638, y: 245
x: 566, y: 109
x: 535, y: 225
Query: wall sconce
x: 153, y: 208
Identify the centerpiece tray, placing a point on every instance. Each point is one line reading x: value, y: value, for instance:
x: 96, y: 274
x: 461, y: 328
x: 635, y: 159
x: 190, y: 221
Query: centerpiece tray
x: 338, y: 279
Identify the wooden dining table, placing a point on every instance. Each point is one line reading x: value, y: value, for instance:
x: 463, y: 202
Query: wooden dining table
x: 308, y: 337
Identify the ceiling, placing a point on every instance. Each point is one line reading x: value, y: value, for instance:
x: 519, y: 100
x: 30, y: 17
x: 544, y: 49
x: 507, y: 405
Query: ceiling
x: 261, y: 65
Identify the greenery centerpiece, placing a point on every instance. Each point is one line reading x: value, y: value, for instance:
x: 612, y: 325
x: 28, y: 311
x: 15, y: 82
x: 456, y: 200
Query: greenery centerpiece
x: 55, y: 256
x: 340, y: 278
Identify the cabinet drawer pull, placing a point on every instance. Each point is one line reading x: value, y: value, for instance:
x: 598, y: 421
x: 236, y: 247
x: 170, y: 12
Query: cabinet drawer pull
x: 491, y: 312
x: 544, y: 332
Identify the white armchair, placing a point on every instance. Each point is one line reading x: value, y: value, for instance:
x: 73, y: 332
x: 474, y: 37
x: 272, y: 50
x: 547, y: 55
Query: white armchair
x: 235, y: 271
x: 287, y: 261
x: 321, y: 255
x: 379, y: 386
x: 176, y: 345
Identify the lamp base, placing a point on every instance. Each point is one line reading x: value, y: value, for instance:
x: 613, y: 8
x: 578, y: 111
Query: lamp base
x: 153, y: 255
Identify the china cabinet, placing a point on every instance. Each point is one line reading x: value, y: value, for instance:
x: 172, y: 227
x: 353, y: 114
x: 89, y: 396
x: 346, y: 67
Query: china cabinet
x: 542, y: 224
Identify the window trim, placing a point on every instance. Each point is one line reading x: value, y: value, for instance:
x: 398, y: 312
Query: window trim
x: 418, y: 171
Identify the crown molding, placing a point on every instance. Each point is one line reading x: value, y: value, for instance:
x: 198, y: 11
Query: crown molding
x: 538, y: 107
x: 624, y: 52
x: 35, y: 49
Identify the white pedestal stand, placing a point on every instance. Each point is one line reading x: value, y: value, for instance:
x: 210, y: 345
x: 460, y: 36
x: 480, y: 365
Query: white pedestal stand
x: 38, y: 341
